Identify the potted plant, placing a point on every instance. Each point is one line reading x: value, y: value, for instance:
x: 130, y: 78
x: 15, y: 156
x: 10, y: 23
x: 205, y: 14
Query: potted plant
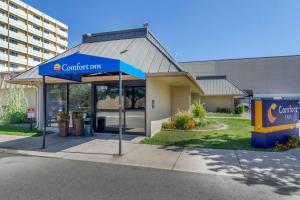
x: 63, y: 123
x: 77, y: 118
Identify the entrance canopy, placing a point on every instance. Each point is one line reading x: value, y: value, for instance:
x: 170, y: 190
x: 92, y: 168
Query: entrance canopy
x: 77, y: 65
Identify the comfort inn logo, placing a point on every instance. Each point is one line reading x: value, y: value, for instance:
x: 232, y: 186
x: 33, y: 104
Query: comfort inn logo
x: 271, y: 118
x: 57, y: 67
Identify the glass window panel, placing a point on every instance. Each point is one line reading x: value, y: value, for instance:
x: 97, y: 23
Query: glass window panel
x: 56, y: 101
x: 139, y: 97
x: 107, y: 121
x: 135, y: 121
x: 107, y: 97
x: 80, y: 98
x: 128, y: 97
x: 134, y: 97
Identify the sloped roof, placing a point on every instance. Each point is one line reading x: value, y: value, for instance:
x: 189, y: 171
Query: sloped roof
x: 218, y: 86
x: 4, y: 76
x: 137, y: 47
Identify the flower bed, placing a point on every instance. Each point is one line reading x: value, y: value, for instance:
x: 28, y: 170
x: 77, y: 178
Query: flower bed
x: 194, y: 119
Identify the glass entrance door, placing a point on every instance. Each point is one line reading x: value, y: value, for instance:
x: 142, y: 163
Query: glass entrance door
x: 107, y: 108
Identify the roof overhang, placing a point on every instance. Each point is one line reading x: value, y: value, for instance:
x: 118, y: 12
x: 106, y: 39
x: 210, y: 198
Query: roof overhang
x: 179, y: 78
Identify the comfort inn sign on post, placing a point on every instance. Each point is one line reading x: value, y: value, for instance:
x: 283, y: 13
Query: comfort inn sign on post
x: 273, y: 120
x: 279, y: 112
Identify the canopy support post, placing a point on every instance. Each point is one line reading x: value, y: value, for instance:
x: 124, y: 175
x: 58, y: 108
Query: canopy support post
x: 45, y: 113
x: 120, y: 113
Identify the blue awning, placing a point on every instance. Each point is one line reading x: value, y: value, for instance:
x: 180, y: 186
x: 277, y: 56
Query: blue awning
x: 77, y: 65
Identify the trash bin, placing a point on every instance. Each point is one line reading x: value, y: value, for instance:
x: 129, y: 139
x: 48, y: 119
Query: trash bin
x: 88, y: 127
x: 101, y: 123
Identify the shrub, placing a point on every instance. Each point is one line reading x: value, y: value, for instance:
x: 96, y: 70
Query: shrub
x: 62, y: 117
x: 198, y: 110
x: 239, y: 109
x: 223, y: 110
x: 291, y: 143
x: 168, y: 125
x: 184, y: 120
x: 202, y: 123
x: 15, y: 110
x: 208, y: 123
x: 77, y: 115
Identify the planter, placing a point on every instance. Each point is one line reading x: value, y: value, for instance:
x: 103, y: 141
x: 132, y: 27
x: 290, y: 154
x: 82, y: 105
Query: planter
x: 63, y: 129
x: 78, y: 127
x: 63, y: 123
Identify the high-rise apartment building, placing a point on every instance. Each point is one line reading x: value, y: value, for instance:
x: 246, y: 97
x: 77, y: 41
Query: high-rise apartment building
x: 28, y: 36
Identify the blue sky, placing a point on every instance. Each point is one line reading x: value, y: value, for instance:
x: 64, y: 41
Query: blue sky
x: 190, y: 29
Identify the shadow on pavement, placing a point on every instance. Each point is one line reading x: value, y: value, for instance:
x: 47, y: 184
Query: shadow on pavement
x: 279, y: 170
x: 54, y: 143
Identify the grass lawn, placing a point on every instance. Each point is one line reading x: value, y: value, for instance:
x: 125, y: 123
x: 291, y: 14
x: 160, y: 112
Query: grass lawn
x: 212, y: 114
x: 20, y: 131
x: 237, y: 136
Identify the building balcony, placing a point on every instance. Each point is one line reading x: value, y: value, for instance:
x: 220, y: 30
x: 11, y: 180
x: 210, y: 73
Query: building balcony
x: 62, y: 42
x: 3, y: 31
x: 19, y: 3
x: 18, y: 48
x: 35, y: 42
x: 59, y: 50
x: 3, y: 5
x: 18, y: 12
x: 50, y: 19
x: 35, y: 20
x: 35, y: 53
x: 18, y: 36
x: 17, y: 69
x: 32, y: 63
x: 4, y: 44
x: 48, y: 56
x: 35, y: 31
x: 3, y: 18
x: 3, y: 56
x: 50, y: 37
x: 62, y: 33
x: 49, y: 27
x: 19, y: 24
x: 3, y: 68
x: 49, y: 47
x: 18, y: 60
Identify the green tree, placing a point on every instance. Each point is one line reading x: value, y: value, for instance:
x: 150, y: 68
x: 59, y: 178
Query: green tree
x: 16, y: 108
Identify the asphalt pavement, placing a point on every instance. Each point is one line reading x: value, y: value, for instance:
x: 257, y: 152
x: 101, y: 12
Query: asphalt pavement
x: 30, y: 177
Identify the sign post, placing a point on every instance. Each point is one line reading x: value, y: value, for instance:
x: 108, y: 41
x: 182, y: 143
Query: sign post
x: 273, y: 120
x: 30, y: 116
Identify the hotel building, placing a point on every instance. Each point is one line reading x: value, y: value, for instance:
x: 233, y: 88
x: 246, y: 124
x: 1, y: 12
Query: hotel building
x: 28, y: 37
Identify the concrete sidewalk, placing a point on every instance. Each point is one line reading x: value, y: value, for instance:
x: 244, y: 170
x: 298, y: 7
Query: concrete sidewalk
x: 281, y: 169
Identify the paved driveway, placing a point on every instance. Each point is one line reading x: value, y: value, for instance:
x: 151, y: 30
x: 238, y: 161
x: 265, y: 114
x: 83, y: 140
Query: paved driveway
x: 29, y: 177
x: 281, y: 171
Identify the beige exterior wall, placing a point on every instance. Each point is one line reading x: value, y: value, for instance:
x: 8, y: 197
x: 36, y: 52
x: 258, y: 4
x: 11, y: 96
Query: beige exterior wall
x: 30, y: 94
x: 167, y: 100
x: 195, y: 97
x: 159, y: 94
x: 180, y: 98
x: 212, y: 102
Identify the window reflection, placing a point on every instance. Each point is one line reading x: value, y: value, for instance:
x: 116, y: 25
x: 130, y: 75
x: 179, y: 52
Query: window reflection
x: 80, y: 98
x: 56, y: 101
x: 134, y: 97
x: 107, y: 97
